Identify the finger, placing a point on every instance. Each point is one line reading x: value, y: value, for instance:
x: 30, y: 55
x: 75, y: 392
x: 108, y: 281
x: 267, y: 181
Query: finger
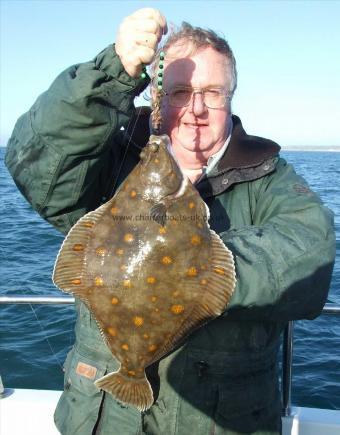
x: 147, y: 39
x: 146, y: 54
x: 148, y: 25
x: 149, y: 14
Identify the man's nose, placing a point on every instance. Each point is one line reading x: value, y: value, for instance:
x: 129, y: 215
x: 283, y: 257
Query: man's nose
x: 197, y: 106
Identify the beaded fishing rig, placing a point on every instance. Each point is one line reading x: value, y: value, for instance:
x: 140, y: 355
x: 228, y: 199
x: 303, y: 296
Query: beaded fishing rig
x: 156, y: 116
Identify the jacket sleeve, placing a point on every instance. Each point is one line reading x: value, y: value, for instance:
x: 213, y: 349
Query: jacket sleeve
x: 60, y: 152
x: 284, y: 261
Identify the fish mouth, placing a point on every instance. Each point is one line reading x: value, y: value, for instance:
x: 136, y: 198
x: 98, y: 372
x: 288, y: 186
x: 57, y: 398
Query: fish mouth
x: 167, y: 178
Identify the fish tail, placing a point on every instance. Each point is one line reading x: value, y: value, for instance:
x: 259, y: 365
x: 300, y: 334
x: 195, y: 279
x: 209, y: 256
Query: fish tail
x: 129, y: 391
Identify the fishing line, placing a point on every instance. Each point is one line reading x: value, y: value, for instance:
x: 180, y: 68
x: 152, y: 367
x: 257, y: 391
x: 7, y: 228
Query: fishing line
x: 125, y: 152
x: 126, y: 135
x: 54, y: 354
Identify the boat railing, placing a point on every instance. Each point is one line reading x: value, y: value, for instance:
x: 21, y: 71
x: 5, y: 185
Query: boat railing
x: 287, y: 359
x: 287, y: 346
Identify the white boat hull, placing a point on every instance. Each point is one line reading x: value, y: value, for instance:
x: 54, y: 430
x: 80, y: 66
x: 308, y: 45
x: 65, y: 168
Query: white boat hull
x: 30, y: 412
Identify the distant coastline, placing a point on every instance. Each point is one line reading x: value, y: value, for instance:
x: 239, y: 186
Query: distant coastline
x: 312, y: 148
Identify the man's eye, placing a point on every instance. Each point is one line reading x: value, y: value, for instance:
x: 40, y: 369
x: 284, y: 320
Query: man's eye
x: 212, y: 93
x: 181, y: 93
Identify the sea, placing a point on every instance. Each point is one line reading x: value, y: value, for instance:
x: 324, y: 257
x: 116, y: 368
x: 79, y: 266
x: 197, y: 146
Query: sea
x: 34, y: 339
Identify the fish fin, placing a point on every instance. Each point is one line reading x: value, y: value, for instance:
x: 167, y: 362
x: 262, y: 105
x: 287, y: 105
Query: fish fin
x: 214, y: 295
x: 158, y: 213
x: 221, y: 279
x: 68, y: 268
x: 136, y: 392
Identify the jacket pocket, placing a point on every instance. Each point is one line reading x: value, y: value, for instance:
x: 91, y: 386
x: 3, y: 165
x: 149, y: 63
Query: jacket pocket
x: 78, y: 407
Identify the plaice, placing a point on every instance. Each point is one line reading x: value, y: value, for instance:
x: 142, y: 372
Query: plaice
x: 149, y: 269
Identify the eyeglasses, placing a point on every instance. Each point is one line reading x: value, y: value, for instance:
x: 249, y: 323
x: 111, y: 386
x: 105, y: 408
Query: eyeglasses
x: 214, y: 98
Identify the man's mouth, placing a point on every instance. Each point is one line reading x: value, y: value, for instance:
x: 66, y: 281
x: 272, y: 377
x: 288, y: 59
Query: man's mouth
x: 194, y: 125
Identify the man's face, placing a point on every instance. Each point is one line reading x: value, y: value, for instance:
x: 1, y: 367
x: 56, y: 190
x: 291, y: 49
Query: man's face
x: 195, y: 130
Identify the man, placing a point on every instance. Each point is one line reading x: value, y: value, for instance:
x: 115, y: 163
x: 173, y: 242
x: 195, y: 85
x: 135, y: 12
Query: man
x: 68, y: 155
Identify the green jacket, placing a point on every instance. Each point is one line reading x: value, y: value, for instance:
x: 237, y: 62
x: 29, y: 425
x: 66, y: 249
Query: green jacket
x: 70, y: 152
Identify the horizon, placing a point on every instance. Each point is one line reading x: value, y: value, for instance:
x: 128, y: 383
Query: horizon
x: 288, y: 73
x: 306, y: 148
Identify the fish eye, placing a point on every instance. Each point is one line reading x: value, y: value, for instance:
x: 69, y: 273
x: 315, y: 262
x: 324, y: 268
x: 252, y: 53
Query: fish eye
x: 154, y: 147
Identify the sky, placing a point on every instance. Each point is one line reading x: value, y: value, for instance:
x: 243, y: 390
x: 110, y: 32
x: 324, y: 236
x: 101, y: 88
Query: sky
x: 287, y: 53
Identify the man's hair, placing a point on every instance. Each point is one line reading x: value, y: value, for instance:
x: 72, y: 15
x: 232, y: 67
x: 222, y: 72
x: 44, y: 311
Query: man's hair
x: 199, y: 38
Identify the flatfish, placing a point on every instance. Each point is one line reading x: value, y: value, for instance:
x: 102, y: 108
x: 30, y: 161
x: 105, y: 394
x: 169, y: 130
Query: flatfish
x: 148, y: 267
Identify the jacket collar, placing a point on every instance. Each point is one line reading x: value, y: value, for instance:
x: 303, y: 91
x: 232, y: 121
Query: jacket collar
x: 244, y: 150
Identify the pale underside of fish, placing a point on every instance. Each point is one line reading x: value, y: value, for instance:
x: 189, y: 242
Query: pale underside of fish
x: 149, y: 269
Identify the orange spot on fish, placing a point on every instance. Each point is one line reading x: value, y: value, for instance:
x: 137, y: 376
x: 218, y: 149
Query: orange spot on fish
x: 133, y: 194
x: 125, y: 346
x: 123, y: 267
x: 153, y: 298
x: 114, y: 210
x: 162, y: 230
x: 89, y: 224
x: 219, y: 270
x: 146, y: 336
x: 176, y: 293
x: 177, y: 309
x: 98, y: 281
x: 156, y: 310
x: 76, y: 281
x: 131, y: 373
x: 156, y: 160
x: 195, y: 240
x: 101, y: 251
x: 192, y: 271
x: 128, y: 238
x: 166, y: 260
x: 138, y: 321
x: 152, y: 347
x: 120, y: 251
x: 112, y: 331
x: 191, y: 205
x: 127, y: 283
x: 204, y: 281
x: 151, y: 280
x: 78, y: 247
x: 200, y: 225
x: 114, y: 301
